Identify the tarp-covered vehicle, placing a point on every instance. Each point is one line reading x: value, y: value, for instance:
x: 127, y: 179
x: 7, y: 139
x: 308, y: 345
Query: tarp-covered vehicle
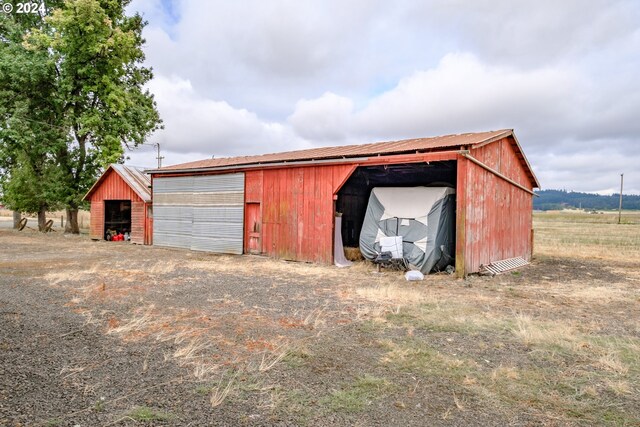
x: 424, y: 217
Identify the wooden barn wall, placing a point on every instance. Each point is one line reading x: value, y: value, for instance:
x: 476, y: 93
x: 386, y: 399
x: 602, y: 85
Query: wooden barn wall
x: 148, y: 224
x: 113, y: 187
x: 498, y: 219
x: 96, y: 228
x: 297, y: 210
x: 137, y: 222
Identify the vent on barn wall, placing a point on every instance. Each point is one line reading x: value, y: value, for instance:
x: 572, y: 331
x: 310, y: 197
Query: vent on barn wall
x: 498, y: 267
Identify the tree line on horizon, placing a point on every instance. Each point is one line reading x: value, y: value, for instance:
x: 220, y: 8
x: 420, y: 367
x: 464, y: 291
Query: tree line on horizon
x: 562, y: 199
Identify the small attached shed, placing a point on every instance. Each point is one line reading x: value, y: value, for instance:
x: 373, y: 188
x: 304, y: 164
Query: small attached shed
x: 121, y: 200
x: 284, y: 204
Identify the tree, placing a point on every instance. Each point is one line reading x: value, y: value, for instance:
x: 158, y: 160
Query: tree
x: 29, y: 128
x: 98, y: 100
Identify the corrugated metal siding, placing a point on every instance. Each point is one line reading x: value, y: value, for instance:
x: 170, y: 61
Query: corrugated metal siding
x: 297, y: 210
x: 498, y: 218
x: 199, y: 212
x: 172, y: 225
x: 113, y: 187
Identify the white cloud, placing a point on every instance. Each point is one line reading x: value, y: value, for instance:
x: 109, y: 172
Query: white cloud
x: 193, y: 123
x: 463, y: 94
x: 323, y: 119
x: 251, y: 77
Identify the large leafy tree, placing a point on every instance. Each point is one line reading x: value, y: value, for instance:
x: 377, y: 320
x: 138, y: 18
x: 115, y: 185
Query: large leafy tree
x: 30, y: 127
x: 98, y: 100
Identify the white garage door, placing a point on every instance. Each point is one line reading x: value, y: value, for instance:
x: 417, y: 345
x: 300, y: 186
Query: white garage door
x: 204, y: 213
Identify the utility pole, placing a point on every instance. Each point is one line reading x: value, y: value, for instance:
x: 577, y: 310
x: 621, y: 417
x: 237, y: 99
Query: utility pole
x: 620, y: 208
x: 157, y: 144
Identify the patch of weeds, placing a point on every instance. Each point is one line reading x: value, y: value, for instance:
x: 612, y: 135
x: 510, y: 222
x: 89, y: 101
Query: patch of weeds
x: 416, y: 356
x: 514, y: 293
x: 419, y: 317
x: 401, y: 317
x: 297, y: 358
x: 627, y: 350
x: 444, y: 318
x: 99, y: 405
x: 370, y: 326
x: 248, y: 384
x: 618, y: 419
x: 550, y: 390
x: 204, y: 389
x: 53, y: 422
x: 296, y: 404
x: 144, y: 413
x: 356, y: 396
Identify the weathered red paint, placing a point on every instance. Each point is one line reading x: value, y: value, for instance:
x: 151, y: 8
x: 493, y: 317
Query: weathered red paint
x: 461, y: 211
x: 113, y: 187
x: 497, y: 214
x: 253, y: 228
x: 296, y: 206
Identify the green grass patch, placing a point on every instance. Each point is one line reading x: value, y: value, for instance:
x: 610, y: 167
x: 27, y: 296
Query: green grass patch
x: 297, y: 358
x: 417, y: 357
x: 144, y: 413
x: 355, y: 397
x: 295, y: 404
x: 448, y: 317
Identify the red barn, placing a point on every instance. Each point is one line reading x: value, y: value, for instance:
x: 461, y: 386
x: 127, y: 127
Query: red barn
x: 121, y: 201
x: 284, y: 205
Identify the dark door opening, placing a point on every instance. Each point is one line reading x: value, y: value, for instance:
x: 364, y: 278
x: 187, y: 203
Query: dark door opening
x: 353, y: 197
x: 117, y: 217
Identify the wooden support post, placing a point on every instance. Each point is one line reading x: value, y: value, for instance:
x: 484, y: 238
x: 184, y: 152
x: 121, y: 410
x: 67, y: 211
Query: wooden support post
x: 461, y: 204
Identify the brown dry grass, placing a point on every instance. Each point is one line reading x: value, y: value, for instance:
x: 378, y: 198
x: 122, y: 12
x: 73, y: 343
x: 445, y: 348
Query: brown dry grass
x: 585, y: 236
x: 557, y: 341
x: 578, y: 333
x: 84, y: 217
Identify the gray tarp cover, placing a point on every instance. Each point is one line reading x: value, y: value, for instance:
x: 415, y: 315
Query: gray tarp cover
x: 423, y: 216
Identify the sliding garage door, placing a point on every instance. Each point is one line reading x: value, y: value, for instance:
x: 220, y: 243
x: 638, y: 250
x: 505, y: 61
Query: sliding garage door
x: 202, y: 213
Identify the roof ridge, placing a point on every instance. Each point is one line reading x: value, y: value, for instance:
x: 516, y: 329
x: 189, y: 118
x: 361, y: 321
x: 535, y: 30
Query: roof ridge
x: 350, y: 150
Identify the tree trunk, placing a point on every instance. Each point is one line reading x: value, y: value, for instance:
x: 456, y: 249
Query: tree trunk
x: 72, y: 221
x: 17, y: 216
x: 42, y: 218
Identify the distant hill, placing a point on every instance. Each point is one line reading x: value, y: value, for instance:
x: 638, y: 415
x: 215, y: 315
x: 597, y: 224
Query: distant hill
x: 560, y: 199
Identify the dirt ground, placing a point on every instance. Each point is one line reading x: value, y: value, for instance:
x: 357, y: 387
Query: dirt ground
x: 101, y: 334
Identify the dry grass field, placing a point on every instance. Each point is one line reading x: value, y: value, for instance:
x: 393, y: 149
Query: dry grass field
x: 83, y: 218
x: 98, y: 333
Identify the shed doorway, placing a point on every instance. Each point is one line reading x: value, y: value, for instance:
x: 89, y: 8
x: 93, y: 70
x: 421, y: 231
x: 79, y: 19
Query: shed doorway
x: 353, y: 197
x: 117, y: 217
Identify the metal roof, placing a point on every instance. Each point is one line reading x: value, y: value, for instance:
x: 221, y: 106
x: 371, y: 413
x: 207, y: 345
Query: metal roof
x: 344, y: 151
x: 136, y: 178
x: 406, y: 146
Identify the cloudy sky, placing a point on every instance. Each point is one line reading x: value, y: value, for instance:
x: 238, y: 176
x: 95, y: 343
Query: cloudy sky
x: 250, y: 77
